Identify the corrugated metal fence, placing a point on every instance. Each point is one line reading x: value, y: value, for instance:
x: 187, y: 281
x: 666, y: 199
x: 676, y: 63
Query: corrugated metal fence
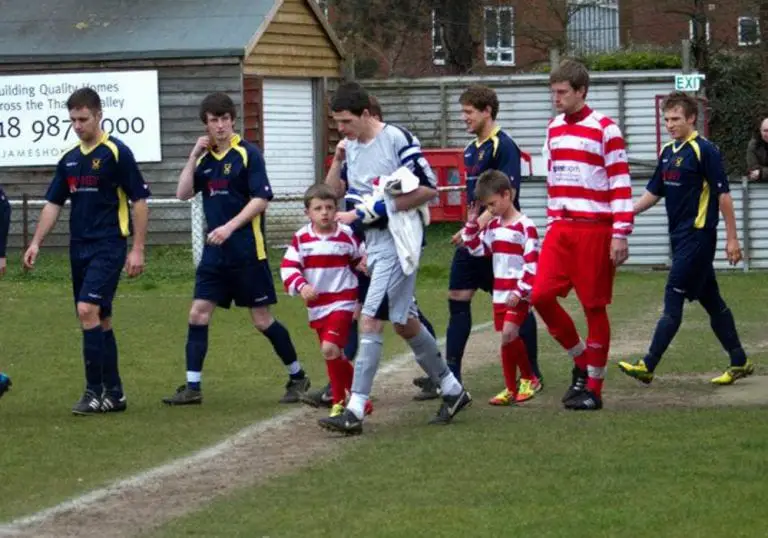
x: 430, y: 107
x: 649, y: 244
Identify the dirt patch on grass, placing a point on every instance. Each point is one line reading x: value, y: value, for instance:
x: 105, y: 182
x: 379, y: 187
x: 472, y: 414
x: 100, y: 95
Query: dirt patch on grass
x: 141, y: 504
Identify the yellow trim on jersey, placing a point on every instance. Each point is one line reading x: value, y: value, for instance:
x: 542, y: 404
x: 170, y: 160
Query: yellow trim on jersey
x: 200, y: 158
x: 103, y: 140
x: 665, y: 146
x: 234, y: 143
x: 122, y: 213
x: 691, y: 138
x: 261, y: 249
x: 113, y: 148
x: 701, y: 216
x: 696, y: 149
x: 493, y: 134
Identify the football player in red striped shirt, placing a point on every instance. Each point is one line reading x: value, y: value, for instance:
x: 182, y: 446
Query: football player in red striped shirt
x: 590, y: 216
x: 319, y: 265
x: 511, y: 242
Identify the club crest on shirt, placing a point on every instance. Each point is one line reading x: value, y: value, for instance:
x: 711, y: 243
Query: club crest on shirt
x: 96, y: 164
x: 227, y: 168
x: 678, y: 162
x: 480, y: 155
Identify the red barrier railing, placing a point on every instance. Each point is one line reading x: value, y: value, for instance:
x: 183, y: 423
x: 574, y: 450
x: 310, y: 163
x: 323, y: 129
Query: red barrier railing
x: 448, y: 165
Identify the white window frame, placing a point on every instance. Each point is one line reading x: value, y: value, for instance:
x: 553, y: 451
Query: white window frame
x: 498, y: 49
x: 437, y: 49
x: 690, y: 31
x: 738, y: 31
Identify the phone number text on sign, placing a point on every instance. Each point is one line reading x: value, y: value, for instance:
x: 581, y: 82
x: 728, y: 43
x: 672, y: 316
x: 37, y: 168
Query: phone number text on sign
x: 35, y: 128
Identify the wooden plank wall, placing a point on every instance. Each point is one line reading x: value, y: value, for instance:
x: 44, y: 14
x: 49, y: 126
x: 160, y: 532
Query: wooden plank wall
x: 253, y: 110
x: 294, y: 45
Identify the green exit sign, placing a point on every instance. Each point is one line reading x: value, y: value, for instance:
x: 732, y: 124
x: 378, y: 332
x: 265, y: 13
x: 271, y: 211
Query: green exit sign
x: 688, y: 83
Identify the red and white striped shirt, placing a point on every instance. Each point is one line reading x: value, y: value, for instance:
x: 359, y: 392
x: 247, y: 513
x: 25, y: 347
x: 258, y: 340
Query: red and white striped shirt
x: 588, y: 173
x: 515, y: 252
x: 326, y: 263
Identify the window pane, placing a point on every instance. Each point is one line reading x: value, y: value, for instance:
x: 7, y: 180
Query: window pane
x: 506, y: 57
x: 505, y: 23
x: 491, y: 56
x: 749, y: 31
x: 491, y: 28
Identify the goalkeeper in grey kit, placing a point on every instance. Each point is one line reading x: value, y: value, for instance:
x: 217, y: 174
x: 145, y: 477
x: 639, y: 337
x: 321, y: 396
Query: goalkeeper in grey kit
x: 375, y: 150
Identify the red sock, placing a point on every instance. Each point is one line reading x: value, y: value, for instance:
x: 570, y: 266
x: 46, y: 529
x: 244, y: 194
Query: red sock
x: 337, y: 374
x: 521, y: 358
x: 598, y: 344
x: 509, y: 366
x: 561, y: 327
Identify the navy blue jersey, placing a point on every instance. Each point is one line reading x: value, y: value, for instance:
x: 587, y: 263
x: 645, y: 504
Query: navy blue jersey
x: 691, y: 178
x: 228, y: 182
x: 497, y: 152
x: 99, y: 182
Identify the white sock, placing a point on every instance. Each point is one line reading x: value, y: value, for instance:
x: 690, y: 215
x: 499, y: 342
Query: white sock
x: 194, y: 377
x: 449, y: 385
x: 294, y: 368
x: 357, y: 404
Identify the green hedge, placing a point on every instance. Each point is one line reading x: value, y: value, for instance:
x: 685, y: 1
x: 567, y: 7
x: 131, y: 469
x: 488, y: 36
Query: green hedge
x: 627, y: 60
x: 736, y: 102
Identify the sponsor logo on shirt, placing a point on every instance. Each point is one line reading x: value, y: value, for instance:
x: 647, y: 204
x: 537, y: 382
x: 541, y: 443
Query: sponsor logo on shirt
x: 83, y: 183
x: 218, y: 187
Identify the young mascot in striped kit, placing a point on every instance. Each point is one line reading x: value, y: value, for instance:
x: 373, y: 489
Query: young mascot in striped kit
x: 319, y: 265
x: 512, y: 243
x: 589, y: 214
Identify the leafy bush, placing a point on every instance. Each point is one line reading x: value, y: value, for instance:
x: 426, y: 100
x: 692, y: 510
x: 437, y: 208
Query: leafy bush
x: 631, y: 60
x: 736, y: 102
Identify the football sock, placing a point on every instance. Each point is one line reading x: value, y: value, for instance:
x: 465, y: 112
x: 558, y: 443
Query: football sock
x: 93, y: 357
x: 281, y: 342
x: 528, y: 332
x: 112, y: 380
x: 457, y: 334
x: 598, y: 343
x: 196, y: 349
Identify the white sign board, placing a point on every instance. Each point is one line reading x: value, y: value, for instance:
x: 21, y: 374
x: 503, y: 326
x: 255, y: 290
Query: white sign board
x: 35, y: 128
x: 688, y: 83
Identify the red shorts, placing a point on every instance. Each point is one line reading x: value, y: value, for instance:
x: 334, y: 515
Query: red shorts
x: 504, y: 314
x: 576, y: 255
x: 334, y: 327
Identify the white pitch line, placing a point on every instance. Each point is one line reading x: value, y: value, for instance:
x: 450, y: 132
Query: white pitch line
x: 193, y: 461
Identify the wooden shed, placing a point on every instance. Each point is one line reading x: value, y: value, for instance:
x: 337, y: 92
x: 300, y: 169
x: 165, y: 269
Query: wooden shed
x: 273, y: 57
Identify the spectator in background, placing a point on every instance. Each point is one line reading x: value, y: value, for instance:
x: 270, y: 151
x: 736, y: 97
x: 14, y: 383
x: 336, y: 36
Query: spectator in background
x: 757, y: 154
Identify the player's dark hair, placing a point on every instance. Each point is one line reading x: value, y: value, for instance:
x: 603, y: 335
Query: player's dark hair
x: 319, y: 191
x: 352, y: 97
x: 493, y: 182
x: 683, y: 100
x: 84, y: 98
x: 573, y: 72
x: 217, y: 104
x: 481, y: 97
x: 375, y: 107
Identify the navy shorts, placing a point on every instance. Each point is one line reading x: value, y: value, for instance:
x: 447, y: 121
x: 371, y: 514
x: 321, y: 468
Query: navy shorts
x: 249, y: 285
x: 692, y: 272
x: 470, y: 272
x: 96, y: 268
